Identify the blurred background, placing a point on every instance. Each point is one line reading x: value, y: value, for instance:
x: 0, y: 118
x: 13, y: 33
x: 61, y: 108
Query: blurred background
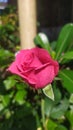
x: 51, y: 15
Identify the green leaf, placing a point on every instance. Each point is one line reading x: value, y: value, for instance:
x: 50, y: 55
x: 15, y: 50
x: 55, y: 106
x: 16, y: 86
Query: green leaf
x: 57, y: 93
x: 48, y: 105
x: 10, y: 82
x: 66, y: 57
x: 51, y: 125
x: 1, y: 106
x: 53, y: 44
x: 65, y: 40
x: 67, y: 79
x: 19, y: 97
x: 48, y: 91
x: 69, y: 116
x: 24, y: 116
x: 58, y: 111
x: 71, y: 98
x: 7, y: 114
x: 53, y: 54
x: 61, y: 127
x: 5, y: 57
x: 42, y: 41
x: 5, y: 54
x: 5, y: 100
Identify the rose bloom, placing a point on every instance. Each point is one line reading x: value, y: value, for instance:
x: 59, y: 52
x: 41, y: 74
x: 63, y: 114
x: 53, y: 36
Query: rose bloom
x: 35, y: 66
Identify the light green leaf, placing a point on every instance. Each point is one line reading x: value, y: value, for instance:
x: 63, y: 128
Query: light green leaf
x: 71, y: 98
x: 69, y: 116
x: 9, y: 82
x: 42, y: 41
x: 5, y: 100
x: 51, y: 125
x: 48, y: 91
x: 65, y: 40
x: 1, y: 106
x: 53, y: 54
x: 5, y: 53
x: 66, y: 57
x: 7, y: 113
x: 19, y: 97
x: 67, y: 79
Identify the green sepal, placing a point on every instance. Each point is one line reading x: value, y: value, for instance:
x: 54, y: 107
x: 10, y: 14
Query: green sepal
x: 48, y: 91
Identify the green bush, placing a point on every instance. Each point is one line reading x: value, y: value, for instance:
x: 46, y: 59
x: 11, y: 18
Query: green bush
x: 22, y: 108
x: 9, y: 29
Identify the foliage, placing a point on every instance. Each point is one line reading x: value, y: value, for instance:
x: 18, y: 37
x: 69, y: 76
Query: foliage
x: 9, y: 34
x: 20, y: 106
x: 58, y: 113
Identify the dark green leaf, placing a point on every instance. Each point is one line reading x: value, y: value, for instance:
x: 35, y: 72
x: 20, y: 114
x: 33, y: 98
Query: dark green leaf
x: 67, y: 79
x: 61, y: 127
x: 57, y: 93
x: 48, y: 105
x: 59, y: 110
x: 69, y: 116
x: 65, y: 40
x: 53, y: 44
x: 5, y: 57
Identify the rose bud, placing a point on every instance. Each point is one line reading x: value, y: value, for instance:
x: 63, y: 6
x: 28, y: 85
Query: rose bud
x: 35, y: 66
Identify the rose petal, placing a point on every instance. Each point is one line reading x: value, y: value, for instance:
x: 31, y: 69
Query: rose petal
x: 44, y: 76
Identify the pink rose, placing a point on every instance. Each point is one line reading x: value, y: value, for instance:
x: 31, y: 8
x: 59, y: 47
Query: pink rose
x: 35, y: 66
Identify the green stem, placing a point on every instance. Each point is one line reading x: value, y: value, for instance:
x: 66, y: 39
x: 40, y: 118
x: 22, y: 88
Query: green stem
x: 43, y: 113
